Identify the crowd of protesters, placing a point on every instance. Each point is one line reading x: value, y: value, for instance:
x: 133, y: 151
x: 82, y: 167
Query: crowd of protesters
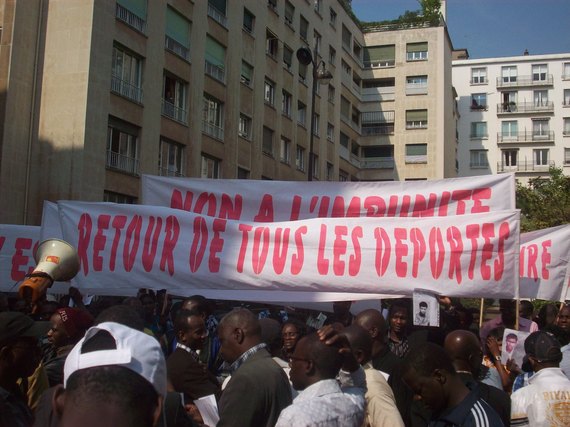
x: 145, y: 361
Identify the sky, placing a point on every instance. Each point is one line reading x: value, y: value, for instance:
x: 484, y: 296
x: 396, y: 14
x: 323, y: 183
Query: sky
x: 490, y: 28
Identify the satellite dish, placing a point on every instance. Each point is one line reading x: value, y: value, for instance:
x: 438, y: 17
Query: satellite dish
x: 304, y: 56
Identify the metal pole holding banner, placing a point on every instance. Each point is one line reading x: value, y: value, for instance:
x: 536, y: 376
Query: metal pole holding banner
x: 481, y: 312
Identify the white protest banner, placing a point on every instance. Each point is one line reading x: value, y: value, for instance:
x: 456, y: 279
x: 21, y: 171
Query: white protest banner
x: 126, y: 247
x: 544, y: 260
x: 17, y: 246
x: 273, y: 201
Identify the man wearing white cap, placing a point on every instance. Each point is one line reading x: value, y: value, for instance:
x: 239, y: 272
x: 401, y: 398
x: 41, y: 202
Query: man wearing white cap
x: 114, y: 376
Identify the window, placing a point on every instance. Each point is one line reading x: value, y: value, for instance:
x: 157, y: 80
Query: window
x: 317, y: 42
x: 509, y: 157
x: 479, y: 101
x: 246, y: 73
x: 315, y: 166
x: 342, y: 176
x: 132, y: 13
x: 346, y: 38
x: 566, y: 130
x: 416, y: 153
x: 269, y: 93
x: 213, y: 117
x: 215, y: 59
x: 271, y: 44
x: 170, y: 158
x: 357, y: 50
x: 540, y: 98
x: 122, y: 146
x: 303, y: 73
x: 479, y: 130
x: 301, y: 113
x: 316, y: 119
x: 174, y: 98
x: 332, y: 55
x: 509, y: 129
x: 416, y: 119
x: 318, y: 6
x: 242, y: 173
x: 540, y: 157
x: 567, y: 156
x: 479, y: 76
x: 417, y: 51
x: 539, y: 72
x: 332, y: 19
x: 330, y: 132
x: 566, y: 71
x: 244, y: 129
x: 416, y: 85
x: 217, y: 11
x: 177, y: 39
x: 210, y: 167
x: 289, y: 13
x: 300, y: 158
x: 267, y: 146
x: 540, y: 129
x: 272, y: 4
x: 331, y: 94
x: 509, y: 74
x: 344, y: 108
x: 478, y: 159
x: 126, y: 74
x: 330, y: 171
x: 379, y: 56
x: 566, y: 100
x: 286, y: 104
x: 248, y: 21
x: 287, y: 57
x: 303, y: 28
x: 285, y: 150
x: 112, y: 197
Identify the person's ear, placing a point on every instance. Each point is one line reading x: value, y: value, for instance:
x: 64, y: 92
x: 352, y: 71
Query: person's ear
x: 440, y: 376
x: 239, y: 335
x: 58, y: 401
x: 373, y: 332
x: 359, y: 356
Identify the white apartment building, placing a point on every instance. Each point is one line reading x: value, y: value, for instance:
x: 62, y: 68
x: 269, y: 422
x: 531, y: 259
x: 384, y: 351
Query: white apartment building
x: 514, y: 114
x: 95, y: 93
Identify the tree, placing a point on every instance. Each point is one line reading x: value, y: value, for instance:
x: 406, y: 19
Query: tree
x: 545, y: 201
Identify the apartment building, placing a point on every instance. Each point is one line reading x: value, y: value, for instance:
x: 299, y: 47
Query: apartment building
x: 95, y: 93
x: 515, y: 114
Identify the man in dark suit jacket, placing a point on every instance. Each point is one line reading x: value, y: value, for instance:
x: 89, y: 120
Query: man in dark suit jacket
x: 185, y: 372
x: 258, y: 389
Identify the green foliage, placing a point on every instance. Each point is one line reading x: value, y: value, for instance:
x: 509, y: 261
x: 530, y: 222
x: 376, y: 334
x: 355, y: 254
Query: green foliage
x: 430, y: 11
x: 545, y: 201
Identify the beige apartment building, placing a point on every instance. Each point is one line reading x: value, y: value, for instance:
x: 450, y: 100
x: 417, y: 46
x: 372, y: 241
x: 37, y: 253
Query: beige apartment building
x: 515, y: 114
x: 95, y: 93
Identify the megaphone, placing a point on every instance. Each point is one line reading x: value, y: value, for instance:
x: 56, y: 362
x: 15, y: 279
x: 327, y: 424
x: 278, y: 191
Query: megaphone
x: 56, y: 260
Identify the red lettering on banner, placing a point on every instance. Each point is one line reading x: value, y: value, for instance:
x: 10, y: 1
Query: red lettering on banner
x: 199, y: 243
x: 204, y: 199
x: 260, y: 248
x: 170, y: 239
x: 245, y: 229
x: 130, y: 251
x: 265, y: 213
x: 436, y: 252
x: 281, y: 249
x: 150, y: 244
x: 499, y: 264
x: 405, y: 207
x: 118, y: 223
x: 460, y: 196
x: 419, y: 248
x: 322, y: 262
x: 375, y: 206
x: 472, y: 232
x: 99, y: 241
x: 339, y: 249
x: 401, y: 251
x: 19, y: 259
x: 355, y: 260
x: 2, y: 241
x: 217, y: 244
x: 299, y: 258
x: 295, y: 208
x: 383, y: 248
x: 545, y: 259
x: 443, y: 203
x: 228, y: 209
x: 392, y: 206
x: 176, y: 201
x: 84, y: 230
x: 455, y: 251
x: 478, y: 195
x: 353, y: 210
x: 488, y: 231
x: 421, y: 208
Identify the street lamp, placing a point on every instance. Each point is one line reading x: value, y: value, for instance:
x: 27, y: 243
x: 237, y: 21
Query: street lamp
x: 320, y: 73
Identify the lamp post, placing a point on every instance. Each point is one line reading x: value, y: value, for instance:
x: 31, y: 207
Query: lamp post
x: 320, y: 73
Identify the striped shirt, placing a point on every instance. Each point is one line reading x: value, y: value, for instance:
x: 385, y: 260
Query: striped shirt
x: 246, y: 355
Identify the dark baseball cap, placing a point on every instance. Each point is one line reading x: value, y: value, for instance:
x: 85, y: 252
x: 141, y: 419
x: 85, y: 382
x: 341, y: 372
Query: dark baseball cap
x: 543, y: 346
x: 14, y: 324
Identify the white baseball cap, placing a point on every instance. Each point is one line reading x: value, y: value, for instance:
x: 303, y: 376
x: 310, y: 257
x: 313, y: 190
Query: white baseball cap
x: 137, y: 351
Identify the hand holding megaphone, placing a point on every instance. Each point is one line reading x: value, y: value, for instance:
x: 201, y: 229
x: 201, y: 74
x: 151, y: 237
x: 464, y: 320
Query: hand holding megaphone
x: 56, y: 260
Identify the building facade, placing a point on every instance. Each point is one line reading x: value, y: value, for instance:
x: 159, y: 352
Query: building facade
x: 515, y: 114
x: 95, y: 93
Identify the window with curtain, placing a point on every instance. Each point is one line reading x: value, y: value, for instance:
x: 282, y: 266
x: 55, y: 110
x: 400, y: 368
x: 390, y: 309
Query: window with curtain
x: 417, y: 51
x: 287, y: 57
x: 210, y: 167
x: 416, y: 119
x: 137, y: 7
x: 170, y: 158
x: 346, y: 38
x: 215, y: 59
x: 416, y: 153
x: 303, y: 28
x: 509, y: 74
x: 478, y: 159
x: 248, y: 20
x: 301, y: 113
x: 509, y: 129
x: 479, y: 130
x: 220, y: 5
x: 539, y: 72
x: 540, y: 157
x: 566, y: 71
x: 267, y: 146
x: 289, y: 13
x: 566, y: 130
x: 344, y: 107
x: 478, y: 76
x: 379, y: 56
x: 246, y: 73
x: 177, y: 38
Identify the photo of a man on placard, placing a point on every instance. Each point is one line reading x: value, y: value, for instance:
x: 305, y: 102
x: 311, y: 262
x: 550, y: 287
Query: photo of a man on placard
x: 513, y: 346
x: 422, y: 316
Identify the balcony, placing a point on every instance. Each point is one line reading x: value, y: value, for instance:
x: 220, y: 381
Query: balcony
x: 379, y: 129
x: 377, y: 123
x: 215, y: 71
x: 213, y: 130
x: 378, y: 94
x: 129, y: 18
x: 343, y: 153
x: 524, y: 166
x: 170, y: 171
x: 525, y: 107
x: 416, y: 159
x: 217, y: 16
x: 377, y: 163
x: 528, y: 137
x: 122, y: 163
x: 523, y: 81
x: 173, y: 112
x: 126, y: 89
x: 384, y: 63
x: 176, y: 48
x: 416, y: 88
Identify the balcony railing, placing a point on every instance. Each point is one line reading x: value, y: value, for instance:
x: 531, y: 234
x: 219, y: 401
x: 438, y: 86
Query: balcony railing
x: 129, y: 18
x: 213, y: 130
x: 123, y: 163
x: 215, y: 71
x: 170, y: 171
x: 385, y: 63
x: 525, y: 107
x: 217, y: 16
x: 420, y: 158
x: 380, y: 129
x: 375, y: 94
x: 126, y: 89
x: 524, y: 166
x: 377, y: 163
x: 527, y: 136
x: 176, y: 48
x: 173, y: 112
x: 374, y: 117
x: 524, y: 81
x: 416, y: 88
x: 344, y: 153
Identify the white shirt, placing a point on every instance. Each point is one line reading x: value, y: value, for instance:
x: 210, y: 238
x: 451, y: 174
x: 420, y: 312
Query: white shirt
x: 544, y: 402
x: 325, y: 404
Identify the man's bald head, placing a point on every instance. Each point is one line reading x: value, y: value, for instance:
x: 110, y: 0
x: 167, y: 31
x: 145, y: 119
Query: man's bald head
x: 373, y: 322
x: 360, y: 342
x: 243, y: 319
x: 464, y: 349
